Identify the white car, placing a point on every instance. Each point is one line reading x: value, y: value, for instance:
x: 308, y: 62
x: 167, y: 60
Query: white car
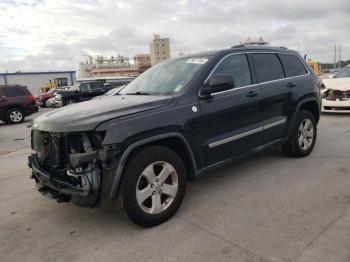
x: 336, y: 92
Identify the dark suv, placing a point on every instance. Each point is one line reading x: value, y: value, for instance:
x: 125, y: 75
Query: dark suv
x: 80, y: 92
x: 174, y: 122
x: 16, y: 102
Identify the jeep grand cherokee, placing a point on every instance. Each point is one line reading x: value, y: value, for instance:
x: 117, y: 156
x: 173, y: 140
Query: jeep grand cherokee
x: 174, y: 122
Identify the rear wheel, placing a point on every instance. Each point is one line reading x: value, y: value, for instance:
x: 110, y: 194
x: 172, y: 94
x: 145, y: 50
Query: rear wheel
x: 153, y: 186
x: 15, y: 115
x: 70, y: 102
x: 303, y: 137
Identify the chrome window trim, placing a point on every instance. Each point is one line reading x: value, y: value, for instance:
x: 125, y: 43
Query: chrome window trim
x: 247, y: 133
x: 242, y: 87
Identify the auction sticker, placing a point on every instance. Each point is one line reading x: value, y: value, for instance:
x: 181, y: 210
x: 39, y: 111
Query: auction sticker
x: 200, y: 61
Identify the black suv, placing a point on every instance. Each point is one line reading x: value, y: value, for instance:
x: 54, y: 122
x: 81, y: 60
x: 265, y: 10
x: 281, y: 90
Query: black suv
x: 174, y: 122
x: 80, y: 92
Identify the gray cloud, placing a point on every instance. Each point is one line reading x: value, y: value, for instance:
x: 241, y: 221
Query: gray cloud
x: 49, y: 35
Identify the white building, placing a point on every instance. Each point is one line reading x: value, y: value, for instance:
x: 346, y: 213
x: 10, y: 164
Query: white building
x: 35, y: 80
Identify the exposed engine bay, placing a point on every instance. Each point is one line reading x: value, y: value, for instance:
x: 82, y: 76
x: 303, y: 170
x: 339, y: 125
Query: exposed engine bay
x: 69, y: 166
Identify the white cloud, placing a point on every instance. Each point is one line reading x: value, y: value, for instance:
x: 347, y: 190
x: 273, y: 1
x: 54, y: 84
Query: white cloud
x: 51, y: 34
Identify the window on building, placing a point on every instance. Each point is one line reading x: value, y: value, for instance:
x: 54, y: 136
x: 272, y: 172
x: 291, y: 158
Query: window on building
x: 292, y: 65
x: 267, y: 67
x: 238, y: 67
x: 13, y: 91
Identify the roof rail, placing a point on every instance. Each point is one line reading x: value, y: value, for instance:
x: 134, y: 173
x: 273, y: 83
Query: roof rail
x: 259, y: 43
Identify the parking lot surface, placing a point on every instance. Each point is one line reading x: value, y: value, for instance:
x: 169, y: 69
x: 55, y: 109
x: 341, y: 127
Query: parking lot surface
x: 264, y: 208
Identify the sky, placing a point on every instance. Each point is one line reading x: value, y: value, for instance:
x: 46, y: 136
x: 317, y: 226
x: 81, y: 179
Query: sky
x: 50, y: 35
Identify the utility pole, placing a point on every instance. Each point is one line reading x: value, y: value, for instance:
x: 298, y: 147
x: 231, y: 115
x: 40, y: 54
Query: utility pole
x: 335, y: 57
x: 339, y: 57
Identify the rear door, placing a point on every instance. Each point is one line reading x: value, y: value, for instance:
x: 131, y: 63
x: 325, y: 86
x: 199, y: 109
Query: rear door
x: 277, y: 93
x: 231, y: 120
x: 97, y: 88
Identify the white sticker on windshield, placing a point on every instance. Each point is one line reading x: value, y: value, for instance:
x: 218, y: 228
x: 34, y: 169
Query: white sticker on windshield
x: 197, y: 61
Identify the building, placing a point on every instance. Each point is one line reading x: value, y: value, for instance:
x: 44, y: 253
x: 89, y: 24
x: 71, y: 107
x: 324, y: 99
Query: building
x: 142, y: 61
x: 116, y: 71
x: 35, y: 80
x: 159, y: 49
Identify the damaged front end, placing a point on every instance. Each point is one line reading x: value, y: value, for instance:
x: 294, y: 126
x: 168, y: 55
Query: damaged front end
x: 70, y: 166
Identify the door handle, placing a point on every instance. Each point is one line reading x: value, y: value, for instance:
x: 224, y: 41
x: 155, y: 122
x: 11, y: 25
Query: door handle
x: 252, y: 94
x: 291, y: 85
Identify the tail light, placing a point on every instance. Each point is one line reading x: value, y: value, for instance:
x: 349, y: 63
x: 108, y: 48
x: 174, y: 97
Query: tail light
x: 32, y: 99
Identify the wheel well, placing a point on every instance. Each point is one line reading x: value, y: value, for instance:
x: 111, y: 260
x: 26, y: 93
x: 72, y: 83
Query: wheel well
x: 313, y: 108
x: 13, y: 106
x: 177, y: 145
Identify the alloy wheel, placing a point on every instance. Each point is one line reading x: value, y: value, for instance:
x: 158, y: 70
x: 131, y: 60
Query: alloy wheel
x: 157, y: 187
x: 16, y: 116
x: 306, y: 134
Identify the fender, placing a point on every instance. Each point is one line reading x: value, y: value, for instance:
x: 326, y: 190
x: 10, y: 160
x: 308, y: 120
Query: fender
x: 295, y: 113
x: 132, y: 147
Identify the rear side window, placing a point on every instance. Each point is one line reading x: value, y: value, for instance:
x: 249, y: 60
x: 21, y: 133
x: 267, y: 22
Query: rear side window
x: 238, y: 67
x: 97, y: 85
x: 292, y: 65
x: 13, y: 91
x: 267, y: 67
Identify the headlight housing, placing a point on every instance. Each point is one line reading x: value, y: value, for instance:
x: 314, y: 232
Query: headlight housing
x: 58, y: 97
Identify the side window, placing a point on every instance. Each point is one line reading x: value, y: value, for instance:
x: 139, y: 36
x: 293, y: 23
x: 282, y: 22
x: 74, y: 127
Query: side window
x: 238, y: 67
x: 96, y: 85
x: 85, y: 87
x: 292, y: 65
x: 267, y: 67
x: 13, y: 92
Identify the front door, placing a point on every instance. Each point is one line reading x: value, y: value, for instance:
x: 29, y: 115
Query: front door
x: 231, y: 120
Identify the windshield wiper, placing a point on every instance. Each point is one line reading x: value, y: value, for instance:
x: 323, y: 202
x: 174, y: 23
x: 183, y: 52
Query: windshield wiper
x: 140, y: 93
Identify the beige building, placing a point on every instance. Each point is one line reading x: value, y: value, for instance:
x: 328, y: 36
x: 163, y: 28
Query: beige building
x: 159, y: 49
x: 142, y: 61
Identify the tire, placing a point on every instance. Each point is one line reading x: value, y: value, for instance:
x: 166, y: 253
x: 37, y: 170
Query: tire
x: 69, y: 102
x: 143, y: 174
x: 14, y: 115
x: 305, y: 129
x: 45, y: 103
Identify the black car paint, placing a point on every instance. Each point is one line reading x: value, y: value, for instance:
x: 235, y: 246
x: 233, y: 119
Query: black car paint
x: 79, y: 95
x: 196, y: 121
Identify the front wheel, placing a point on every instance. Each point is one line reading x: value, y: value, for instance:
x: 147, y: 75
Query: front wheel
x: 153, y: 186
x: 70, y: 102
x: 303, y: 137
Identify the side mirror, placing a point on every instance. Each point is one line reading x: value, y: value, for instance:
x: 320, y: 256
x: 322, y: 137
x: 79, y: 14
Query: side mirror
x: 218, y: 83
x: 331, y: 76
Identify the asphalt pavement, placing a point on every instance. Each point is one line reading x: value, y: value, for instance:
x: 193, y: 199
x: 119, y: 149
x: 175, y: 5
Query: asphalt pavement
x: 267, y: 207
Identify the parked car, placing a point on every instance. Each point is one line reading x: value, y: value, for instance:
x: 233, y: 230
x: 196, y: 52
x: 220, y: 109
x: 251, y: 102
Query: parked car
x: 80, y: 92
x: 16, y: 102
x: 43, y: 98
x: 174, y: 122
x: 336, y: 92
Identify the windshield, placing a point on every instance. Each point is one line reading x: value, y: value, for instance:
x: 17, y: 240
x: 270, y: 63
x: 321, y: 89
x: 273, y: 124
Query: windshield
x: 167, y: 78
x: 75, y: 87
x: 345, y: 72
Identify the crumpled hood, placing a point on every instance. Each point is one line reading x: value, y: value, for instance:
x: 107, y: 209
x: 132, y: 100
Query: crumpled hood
x: 87, y: 115
x: 341, y: 84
